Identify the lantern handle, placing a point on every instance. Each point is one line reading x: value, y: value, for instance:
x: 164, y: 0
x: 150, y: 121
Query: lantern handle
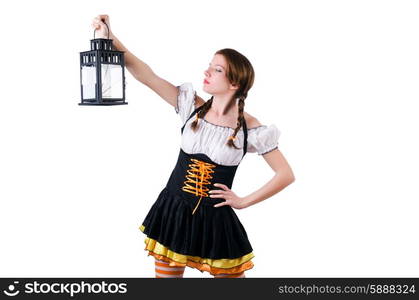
x: 94, y: 32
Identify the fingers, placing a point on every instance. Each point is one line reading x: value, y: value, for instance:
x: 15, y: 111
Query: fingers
x: 100, y: 20
x: 96, y: 23
x: 224, y: 187
x: 217, y: 195
x: 103, y: 19
x: 221, y: 204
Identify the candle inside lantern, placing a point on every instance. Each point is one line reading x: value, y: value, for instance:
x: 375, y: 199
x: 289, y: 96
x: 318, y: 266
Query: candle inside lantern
x: 111, y: 81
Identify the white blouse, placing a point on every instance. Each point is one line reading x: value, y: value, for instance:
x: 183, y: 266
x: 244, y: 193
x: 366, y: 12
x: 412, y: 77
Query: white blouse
x: 211, y: 139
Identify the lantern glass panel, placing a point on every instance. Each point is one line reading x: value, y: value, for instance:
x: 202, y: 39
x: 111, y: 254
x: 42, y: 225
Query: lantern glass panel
x: 88, y: 82
x: 112, y: 81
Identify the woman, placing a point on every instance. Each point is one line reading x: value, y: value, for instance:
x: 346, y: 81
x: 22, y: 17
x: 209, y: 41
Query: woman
x: 192, y: 222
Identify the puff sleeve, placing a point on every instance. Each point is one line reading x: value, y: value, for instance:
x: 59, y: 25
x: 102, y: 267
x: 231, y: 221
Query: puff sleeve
x: 185, y: 103
x: 263, y: 139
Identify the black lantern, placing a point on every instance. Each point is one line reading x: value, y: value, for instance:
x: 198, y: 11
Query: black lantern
x: 102, y: 74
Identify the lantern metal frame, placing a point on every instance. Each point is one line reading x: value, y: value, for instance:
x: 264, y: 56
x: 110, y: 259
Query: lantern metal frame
x: 102, y: 53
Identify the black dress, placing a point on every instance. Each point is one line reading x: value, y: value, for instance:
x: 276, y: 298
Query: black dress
x: 184, y: 229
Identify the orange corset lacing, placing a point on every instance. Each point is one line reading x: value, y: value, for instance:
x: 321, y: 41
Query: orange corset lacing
x: 198, y: 176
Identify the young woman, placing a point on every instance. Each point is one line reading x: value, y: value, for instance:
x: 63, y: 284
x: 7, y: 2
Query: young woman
x: 192, y: 222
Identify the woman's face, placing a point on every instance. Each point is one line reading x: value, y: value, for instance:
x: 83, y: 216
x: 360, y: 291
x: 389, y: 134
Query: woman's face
x: 215, y: 81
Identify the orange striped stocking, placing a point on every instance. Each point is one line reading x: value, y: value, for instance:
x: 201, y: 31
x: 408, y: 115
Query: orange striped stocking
x: 163, y: 270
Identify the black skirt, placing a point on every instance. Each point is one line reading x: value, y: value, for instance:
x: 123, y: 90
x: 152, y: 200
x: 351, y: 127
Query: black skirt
x: 185, y: 229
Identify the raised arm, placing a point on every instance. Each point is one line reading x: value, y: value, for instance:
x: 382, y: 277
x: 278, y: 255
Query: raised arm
x: 139, y: 69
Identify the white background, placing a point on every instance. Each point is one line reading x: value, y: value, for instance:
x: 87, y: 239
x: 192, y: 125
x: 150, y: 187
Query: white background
x: 338, y: 78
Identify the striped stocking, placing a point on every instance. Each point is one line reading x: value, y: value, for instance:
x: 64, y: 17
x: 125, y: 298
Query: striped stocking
x: 163, y: 270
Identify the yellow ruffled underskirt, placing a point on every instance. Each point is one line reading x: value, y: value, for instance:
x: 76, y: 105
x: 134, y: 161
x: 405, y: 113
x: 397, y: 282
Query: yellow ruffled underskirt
x: 213, y: 266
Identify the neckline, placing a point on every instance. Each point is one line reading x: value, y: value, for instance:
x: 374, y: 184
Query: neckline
x: 241, y: 128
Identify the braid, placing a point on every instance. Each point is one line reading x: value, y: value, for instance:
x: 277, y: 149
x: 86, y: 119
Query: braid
x: 240, y: 121
x: 201, y: 113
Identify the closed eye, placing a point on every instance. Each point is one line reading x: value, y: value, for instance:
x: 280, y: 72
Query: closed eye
x: 218, y: 70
